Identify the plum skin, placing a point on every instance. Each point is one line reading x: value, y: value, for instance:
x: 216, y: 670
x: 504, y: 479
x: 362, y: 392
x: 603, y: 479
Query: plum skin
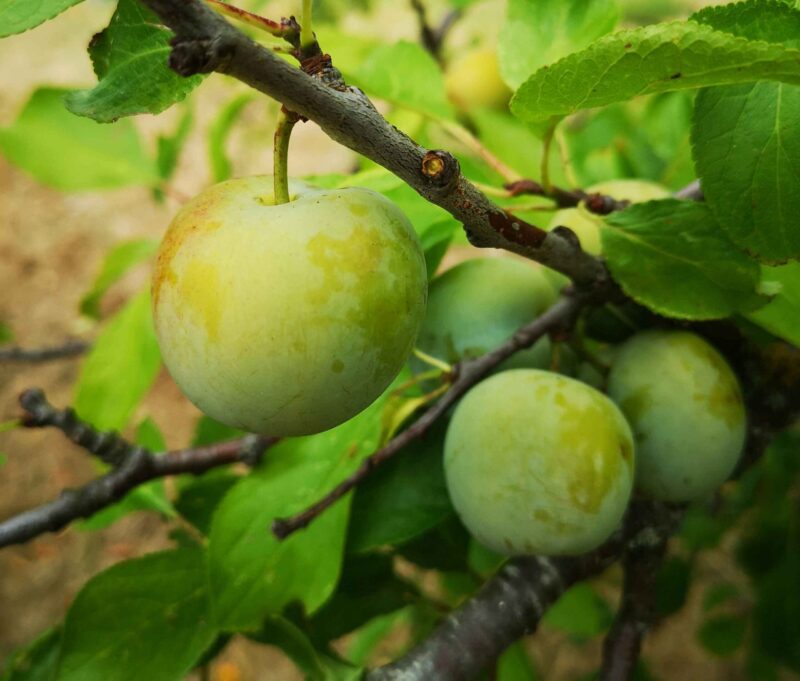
x: 478, y: 304
x: 685, y: 406
x: 538, y: 463
x: 287, y: 319
x: 587, y: 228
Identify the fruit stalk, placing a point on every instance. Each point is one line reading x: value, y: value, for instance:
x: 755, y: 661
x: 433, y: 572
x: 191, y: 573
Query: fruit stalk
x: 280, y: 157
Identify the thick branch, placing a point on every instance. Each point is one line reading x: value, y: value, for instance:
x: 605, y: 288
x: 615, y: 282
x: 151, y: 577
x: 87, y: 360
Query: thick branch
x: 511, y: 604
x: 560, y: 316
x: 133, y: 466
x: 71, y: 348
x: 206, y: 42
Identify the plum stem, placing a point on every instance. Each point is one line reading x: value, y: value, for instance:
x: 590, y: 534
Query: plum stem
x: 306, y: 33
x: 283, y: 133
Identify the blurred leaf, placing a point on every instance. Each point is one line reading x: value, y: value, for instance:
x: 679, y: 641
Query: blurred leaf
x: 406, y: 75
x: 130, y: 59
x: 218, y: 133
x: 747, y: 155
x: 6, y: 334
x: 3, y: 459
x: 672, y: 585
x: 35, y: 662
x: 118, y: 261
x: 671, y: 256
x: 315, y: 665
x: 719, y: 594
x: 120, y: 367
x: 701, y: 530
x: 515, y: 665
x: 483, y: 561
x: 722, y: 635
x: 17, y: 16
x: 200, y: 496
x: 368, y: 589
x: 781, y: 316
x: 539, y: 32
x: 150, y: 496
x: 72, y: 153
x: 402, y: 499
x: 208, y: 431
x: 580, y: 612
x: 444, y: 547
x: 659, y: 58
x: 363, y: 643
x: 349, y: 49
x: 147, y: 618
x: 252, y: 573
x: 511, y: 140
x: 170, y: 146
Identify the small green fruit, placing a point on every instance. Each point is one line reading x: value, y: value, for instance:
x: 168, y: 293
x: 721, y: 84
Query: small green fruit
x: 537, y: 463
x: 478, y: 304
x: 287, y: 319
x: 686, y: 410
x: 587, y: 227
x: 473, y: 80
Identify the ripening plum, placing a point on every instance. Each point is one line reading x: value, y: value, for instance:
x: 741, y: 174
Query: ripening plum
x: 587, y: 227
x: 480, y: 303
x: 538, y: 463
x: 287, y: 319
x: 473, y: 80
x: 685, y: 406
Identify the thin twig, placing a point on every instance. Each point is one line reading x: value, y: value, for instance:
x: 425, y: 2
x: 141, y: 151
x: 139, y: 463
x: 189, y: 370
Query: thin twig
x: 433, y: 38
x: 71, y: 348
x: 560, y: 316
x: 133, y: 466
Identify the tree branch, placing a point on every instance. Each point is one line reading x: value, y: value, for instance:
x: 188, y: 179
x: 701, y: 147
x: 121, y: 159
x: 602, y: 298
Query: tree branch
x: 560, y: 316
x: 71, y: 348
x: 511, y: 604
x: 133, y: 465
x: 205, y: 42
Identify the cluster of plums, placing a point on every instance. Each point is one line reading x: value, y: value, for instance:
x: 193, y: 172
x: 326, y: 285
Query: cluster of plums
x: 290, y: 319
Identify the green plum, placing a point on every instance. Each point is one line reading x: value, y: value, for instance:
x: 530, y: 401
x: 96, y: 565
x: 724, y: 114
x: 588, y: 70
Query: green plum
x: 287, y: 319
x: 473, y: 80
x: 587, y: 227
x: 538, y: 463
x: 480, y: 303
x: 685, y: 406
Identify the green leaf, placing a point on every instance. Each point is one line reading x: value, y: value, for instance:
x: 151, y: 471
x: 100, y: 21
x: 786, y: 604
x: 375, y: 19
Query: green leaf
x: 672, y: 257
x: 402, y: 499
x: 130, y: 59
x: 539, y: 32
x: 315, y: 665
x: 515, y: 665
x: 120, y: 368
x: 406, y: 75
x: 170, y: 146
x: 252, y: 573
x: 3, y: 459
x: 208, y: 431
x: 362, y: 644
x: 747, y: 154
x: 782, y: 315
x: 722, y: 635
x: 147, y: 618
x: 672, y: 585
x: 218, y: 133
x: 445, y: 547
x: 720, y: 593
x: 6, y: 334
x: 35, y: 662
x: 580, y: 612
x: 368, y: 589
x: 17, y: 16
x: 118, y: 261
x: 659, y: 58
x: 199, y: 497
x: 71, y: 153
x: 773, y: 21
x: 151, y: 496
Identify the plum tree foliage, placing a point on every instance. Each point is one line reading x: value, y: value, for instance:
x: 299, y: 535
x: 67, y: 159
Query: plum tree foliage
x: 274, y: 318
x: 572, y: 403
x: 555, y: 482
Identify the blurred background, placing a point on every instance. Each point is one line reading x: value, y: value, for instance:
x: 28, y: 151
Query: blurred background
x: 55, y: 233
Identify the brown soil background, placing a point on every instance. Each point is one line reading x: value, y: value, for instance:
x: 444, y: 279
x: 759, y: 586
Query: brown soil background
x: 51, y: 246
